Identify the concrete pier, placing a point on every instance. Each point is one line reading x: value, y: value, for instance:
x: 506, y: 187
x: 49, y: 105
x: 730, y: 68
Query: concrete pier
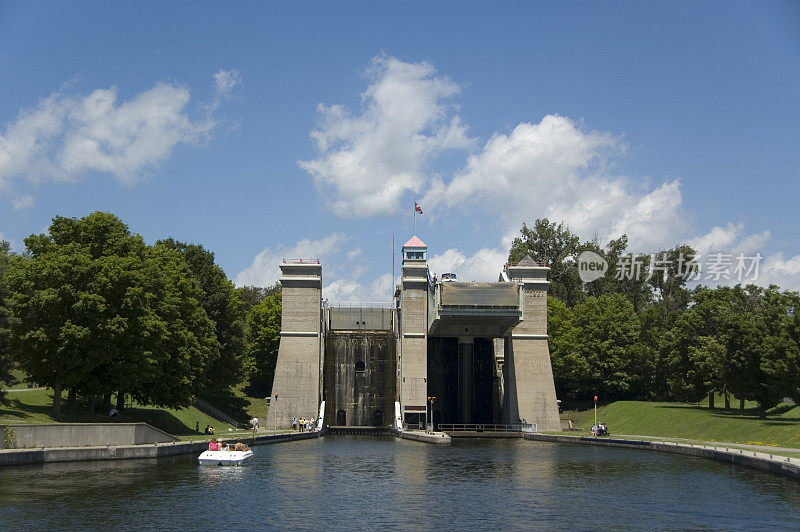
x: 298, y: 368
x: 11, y: 457
x: 437, y: 438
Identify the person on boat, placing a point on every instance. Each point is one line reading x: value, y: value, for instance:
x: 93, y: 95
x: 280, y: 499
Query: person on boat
x: 213, y: 445
x: 225, y: 447
x: 240, y: 446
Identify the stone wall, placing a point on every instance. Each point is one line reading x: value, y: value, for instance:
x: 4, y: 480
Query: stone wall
x: 360, y: 378
x: 27, y: 436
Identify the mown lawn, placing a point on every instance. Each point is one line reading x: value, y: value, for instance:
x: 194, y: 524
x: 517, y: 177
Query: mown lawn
x: 35, y: 406
x: 696, y: 422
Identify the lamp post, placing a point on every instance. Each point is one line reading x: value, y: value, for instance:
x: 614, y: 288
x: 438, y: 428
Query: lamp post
x: 431, y: 400
x: 595, y: 410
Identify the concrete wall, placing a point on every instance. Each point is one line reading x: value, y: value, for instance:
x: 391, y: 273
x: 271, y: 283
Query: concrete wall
x: 360, y: 394
x: 13, y: 457
x: 413, y: 337
x: 528, y: 389
x: 788, y: 467
x: 297, y: 370
x: 480, y: 294
x: 361, y: 319
x: 82, y: 434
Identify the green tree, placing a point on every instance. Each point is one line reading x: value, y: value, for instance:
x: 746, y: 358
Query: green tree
x: 98, y: 311
x: 555, y: 246
x: 185, y: 342
x: 6, y: 361
x: 792, y: 328
x: 562, y: 341
x: 223, y: 304
x: 773, y: 357
x: 607, y: 357
x: 738, y: 340
x: 263, y: 338
x: 701, y: 347
x: 253, y: 295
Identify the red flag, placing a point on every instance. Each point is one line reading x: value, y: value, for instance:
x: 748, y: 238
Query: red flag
x: 417, y: 208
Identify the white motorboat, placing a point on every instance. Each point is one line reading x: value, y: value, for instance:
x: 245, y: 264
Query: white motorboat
x: 232, y: 458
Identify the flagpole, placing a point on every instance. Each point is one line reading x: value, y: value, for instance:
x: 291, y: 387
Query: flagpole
x: 393, y: 285
x: 414, y: 216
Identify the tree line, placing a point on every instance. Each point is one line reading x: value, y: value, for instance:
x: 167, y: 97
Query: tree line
x: 90, y: 309
x: 657, y: 338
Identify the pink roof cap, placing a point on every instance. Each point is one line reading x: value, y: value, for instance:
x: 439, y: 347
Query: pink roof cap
x: 415, y: 242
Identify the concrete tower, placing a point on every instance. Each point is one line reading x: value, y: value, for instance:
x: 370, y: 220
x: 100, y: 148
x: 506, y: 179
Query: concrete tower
x: 298, y: 369
x: 413, y: 328
x: 529, y: 391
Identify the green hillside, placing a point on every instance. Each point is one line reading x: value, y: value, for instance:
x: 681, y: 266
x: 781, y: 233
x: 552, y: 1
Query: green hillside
x: 35, y: 406
x: 696, y: 422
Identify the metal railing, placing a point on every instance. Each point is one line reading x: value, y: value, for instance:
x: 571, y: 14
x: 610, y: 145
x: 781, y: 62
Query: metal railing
x: 216, y: 413
x: 358, y: 304
x: 301, y: 261
x: 487, y: 427
x: 527, y: 263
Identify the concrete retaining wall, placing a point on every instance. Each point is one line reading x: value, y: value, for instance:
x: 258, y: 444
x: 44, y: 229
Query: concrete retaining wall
x: 11, y: 457
x: 788, y: 467
x: 81, y: 435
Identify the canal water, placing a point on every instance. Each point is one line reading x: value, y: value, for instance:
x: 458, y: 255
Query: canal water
x: 358, y: 482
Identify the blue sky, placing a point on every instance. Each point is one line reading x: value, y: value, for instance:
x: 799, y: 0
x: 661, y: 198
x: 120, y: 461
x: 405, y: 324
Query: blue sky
x: 263, y: 130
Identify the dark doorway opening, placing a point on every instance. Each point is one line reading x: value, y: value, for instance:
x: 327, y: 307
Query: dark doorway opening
x: 341, y: 418
x: 414, y: 420
x: 443, y: 379
x: 377, y: 418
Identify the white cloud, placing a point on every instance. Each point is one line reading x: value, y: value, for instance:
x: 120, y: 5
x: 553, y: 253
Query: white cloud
x: 555, y: 169
x: 377, y: 290
x: 264, y: 271
x: 341, y: 271
x: 22, y: 202
x: 226, y: 80
x: 729, y: 239
x: 224, y: 83
x: 485, y: 265
x: 783, y: 272
x: 369, y: 161
x: 64, y: 136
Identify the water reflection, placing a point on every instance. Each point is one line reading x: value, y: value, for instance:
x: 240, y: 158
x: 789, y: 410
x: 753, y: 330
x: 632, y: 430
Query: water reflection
x: 346, y: 482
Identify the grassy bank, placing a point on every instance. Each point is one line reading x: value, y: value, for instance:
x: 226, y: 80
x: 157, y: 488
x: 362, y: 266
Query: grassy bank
x: 696, y: 422
x: 35, y: 406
